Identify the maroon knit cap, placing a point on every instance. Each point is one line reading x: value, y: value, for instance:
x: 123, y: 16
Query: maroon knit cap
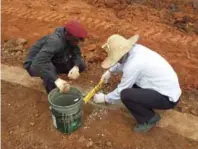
x: 76, y: 29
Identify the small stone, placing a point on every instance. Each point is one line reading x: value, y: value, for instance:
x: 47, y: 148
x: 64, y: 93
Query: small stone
x: 184, y: 109
x: 6, y: 52
x: 194, y: 111
x: 91, y: 47
x: 109, y: 144
x: 17, y: 48
x: 110, y: 3
x: 9, y: 104
x: 12, y: 54
x: 21, y: 41
x: 135, y: 28
x: 18, y: 53
x: 192, y: 97
x: 81, y: 139
x: 9, y: 43
x: 11, y: 132
x: 102, y: 135
x: 89, y: 144
x: 32, y: 123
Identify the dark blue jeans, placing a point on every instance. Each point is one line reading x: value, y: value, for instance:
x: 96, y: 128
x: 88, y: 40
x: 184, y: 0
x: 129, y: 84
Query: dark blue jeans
x: 56, y: 69
x: 141, y: 102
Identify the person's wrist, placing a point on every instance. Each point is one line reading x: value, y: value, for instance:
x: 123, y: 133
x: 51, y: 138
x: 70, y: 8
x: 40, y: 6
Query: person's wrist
x: 106, y: 99
x: 76, y: 67
x: 109, y: 71
x: 58, y: 82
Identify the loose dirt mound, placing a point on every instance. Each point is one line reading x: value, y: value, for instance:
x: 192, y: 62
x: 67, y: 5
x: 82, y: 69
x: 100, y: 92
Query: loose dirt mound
x: 15, y: 48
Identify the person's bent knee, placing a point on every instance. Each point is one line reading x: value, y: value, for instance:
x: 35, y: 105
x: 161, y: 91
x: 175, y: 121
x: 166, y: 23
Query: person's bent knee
x: 124, y: 94
x: 82, y: 66
x: 33, y: 72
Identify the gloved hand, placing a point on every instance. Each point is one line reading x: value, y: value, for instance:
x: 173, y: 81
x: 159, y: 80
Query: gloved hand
x: 74, y: 73
x: 62, y: 85
x: 106, y: 76
x: 99, y: 98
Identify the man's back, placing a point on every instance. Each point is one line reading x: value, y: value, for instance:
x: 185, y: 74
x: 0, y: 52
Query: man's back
x: 155, y: 72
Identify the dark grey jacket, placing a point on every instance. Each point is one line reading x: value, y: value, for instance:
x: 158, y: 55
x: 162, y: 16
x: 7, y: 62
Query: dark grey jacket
x: 54, y: 49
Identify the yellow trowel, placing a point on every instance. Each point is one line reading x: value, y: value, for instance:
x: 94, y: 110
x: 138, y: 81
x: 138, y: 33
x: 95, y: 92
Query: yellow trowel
x: 93, y: 91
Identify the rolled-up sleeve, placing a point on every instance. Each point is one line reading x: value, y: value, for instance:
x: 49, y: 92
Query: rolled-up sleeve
x: 131, y: 72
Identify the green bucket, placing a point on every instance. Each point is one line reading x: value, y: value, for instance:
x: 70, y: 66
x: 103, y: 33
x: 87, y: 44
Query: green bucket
x: 66, y: 109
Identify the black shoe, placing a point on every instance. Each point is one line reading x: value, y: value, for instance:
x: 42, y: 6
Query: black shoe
x: 145, y: 127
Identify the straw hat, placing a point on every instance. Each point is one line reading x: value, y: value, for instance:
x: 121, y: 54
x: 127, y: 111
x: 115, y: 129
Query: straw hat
x: 116, y: 47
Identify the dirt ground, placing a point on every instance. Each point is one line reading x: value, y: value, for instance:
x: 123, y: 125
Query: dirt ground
x: 27, y: 124
x: 169, y: 27
x: 29, y: 20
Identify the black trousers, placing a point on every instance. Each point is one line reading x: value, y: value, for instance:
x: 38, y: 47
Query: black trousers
x: 141, y: 102
x: 56, y: 69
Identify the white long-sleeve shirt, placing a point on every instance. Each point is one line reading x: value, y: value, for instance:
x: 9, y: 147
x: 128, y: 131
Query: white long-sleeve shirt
x: 148, y: 70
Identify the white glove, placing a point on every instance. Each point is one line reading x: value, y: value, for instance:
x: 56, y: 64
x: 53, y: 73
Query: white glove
x: 99, y: 98
x: 74, y: 73
x: 62, y: 85
x: 106, y: 76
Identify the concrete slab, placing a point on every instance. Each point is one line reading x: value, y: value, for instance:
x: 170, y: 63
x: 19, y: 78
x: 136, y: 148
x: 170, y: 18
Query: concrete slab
x: 20, y: 76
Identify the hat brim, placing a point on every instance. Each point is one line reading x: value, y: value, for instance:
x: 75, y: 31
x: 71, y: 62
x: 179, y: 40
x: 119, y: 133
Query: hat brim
x: 107, y: 63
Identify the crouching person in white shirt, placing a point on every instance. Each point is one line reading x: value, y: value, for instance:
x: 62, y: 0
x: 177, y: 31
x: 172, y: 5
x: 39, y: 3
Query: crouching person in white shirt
x: 148, y: 81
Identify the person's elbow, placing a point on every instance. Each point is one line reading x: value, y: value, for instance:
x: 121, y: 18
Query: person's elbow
x: 36, y: 64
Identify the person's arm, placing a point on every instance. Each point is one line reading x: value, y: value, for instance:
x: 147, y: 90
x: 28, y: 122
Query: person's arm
x: 43, y: 59
x: 76, y: 56
x: 130, y: 75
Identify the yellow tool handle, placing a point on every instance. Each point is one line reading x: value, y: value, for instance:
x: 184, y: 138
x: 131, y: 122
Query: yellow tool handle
x: 93, y: 91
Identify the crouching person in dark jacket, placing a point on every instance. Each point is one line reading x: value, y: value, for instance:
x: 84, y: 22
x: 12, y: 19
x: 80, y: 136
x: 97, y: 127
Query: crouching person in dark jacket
x: 57, y: 53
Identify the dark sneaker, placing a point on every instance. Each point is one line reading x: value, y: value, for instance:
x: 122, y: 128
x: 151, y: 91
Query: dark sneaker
x: 156, y: 118
x: 145, y: 127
